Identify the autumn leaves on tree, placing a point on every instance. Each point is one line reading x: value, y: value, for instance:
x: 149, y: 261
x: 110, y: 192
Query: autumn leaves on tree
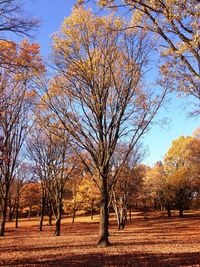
x: 18, y: 65
x: 98, y: 95
x: 176, y: 25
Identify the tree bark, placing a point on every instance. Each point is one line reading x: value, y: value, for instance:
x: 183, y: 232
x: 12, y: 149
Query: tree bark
x: 29, y: 213
x: 4, y: 213
x: 11, y: 216
x: 169, y: 211
x: 42, y: 212
x: 17, y: 216
x: 74, y: 208
x: 181, y: 213
x: 92, y: 207
x: 3, y: 222
x: 74, y: 214
x: 50, y: 213
x: 58, y: 219
x: 57, y: 231
x: 104, y: 216
x: 130, y: 214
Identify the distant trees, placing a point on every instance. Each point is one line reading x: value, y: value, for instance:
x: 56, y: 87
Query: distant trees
x: 98, y: 94
x: 127, y: 186
x: 181, y: 171
x: 175, y: 183
x: 30, y: 197
x: 89, y: 194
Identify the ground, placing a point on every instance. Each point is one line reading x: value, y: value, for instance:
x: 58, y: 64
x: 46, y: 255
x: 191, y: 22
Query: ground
x: 156, y: 241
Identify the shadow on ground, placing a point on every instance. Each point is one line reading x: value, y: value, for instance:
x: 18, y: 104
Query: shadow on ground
x: 122, y: 260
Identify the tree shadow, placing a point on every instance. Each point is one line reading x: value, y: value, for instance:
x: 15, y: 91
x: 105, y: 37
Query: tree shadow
x: 138, y: 259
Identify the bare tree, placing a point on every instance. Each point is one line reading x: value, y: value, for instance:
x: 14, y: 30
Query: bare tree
x: 14, y: 127
x: 52, y: 162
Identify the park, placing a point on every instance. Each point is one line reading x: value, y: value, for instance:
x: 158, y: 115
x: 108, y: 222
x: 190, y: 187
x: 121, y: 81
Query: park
x: 99, y: 133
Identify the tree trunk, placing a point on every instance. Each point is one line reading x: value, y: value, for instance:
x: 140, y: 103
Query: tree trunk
x: 3, y: 222
x: 180, y: 213
x: 104, y: 216
x: 74, y: 214
x: 121, y: 225
x: 29, y: 213
x: 169, y: 211
x: 114, y: 203
x: 130, y: 214
x: 17, y: 216
x: 42, y: 213
x: 3, y: 214
x: 50, y: 213
x: 11, y: 212
x: 92, y: 207
x: 58, y: 220
x: 122, y: 213
x: 74, y: 207
x: 57, y: 231
x: 145, y: 211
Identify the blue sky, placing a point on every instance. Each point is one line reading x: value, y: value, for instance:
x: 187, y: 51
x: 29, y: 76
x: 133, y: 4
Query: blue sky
x: 159, y: 139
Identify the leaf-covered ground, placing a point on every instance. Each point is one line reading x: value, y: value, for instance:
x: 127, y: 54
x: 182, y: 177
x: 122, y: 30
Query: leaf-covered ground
x: 157, y: 241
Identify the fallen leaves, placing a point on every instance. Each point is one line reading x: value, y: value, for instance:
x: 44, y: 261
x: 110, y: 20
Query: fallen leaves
x: 157, y: 241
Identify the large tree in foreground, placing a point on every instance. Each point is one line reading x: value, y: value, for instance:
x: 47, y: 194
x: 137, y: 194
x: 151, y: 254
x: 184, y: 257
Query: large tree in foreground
x: 98, y: 94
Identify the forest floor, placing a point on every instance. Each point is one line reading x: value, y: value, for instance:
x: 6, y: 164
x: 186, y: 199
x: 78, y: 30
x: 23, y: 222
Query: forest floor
x: 156, y: 241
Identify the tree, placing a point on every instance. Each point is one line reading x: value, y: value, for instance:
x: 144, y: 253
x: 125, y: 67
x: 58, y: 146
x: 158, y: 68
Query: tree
x: 158, y: 187
x: 17, y: 100
x: 30, y: 197
x: 89, y: 193
x: 98, y: 95
x: 180, y: 172
x: 22, y: 178
x: 176, y: 23
x: 127, y: 185
x: 53, y: 164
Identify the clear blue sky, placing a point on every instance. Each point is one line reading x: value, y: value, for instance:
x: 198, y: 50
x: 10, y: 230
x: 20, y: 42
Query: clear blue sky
x: 52, y: 13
